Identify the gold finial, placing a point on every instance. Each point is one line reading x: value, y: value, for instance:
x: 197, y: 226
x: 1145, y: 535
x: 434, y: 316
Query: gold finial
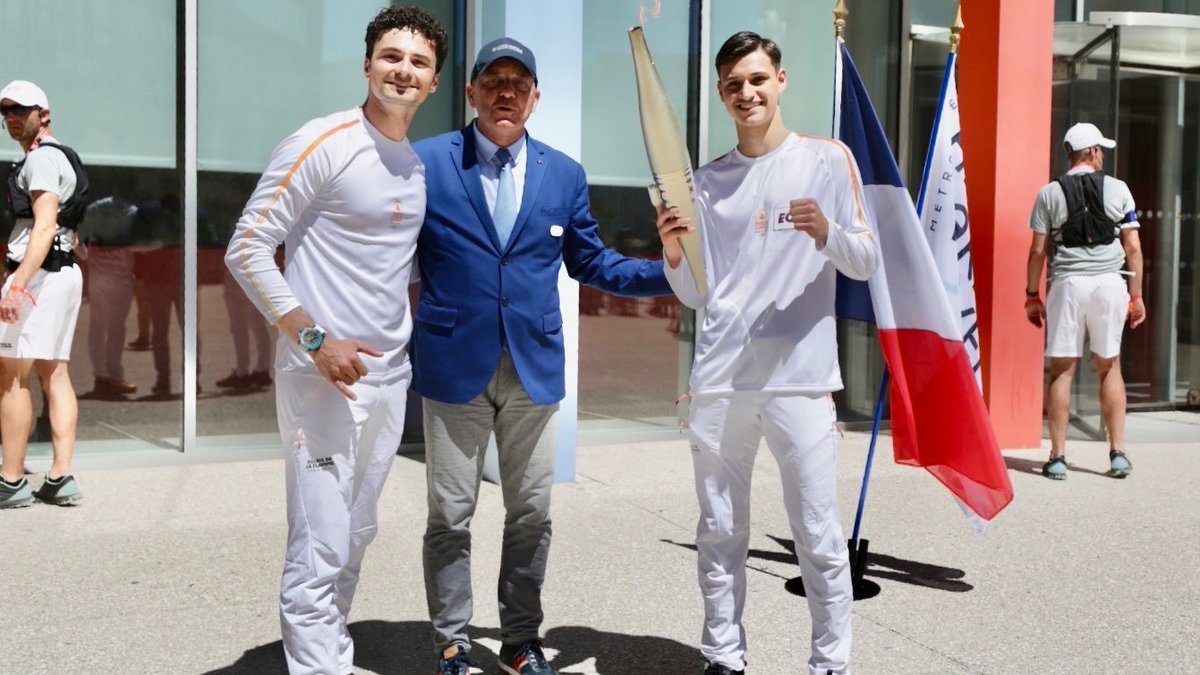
x: 839, y: 18
x: 955, y: 29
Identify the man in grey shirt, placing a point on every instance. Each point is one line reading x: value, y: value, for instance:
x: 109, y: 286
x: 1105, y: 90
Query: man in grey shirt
x: 1094, y: 285
x: 40, y: 300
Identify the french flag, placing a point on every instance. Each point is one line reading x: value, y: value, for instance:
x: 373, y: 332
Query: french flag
x: 939, y: 420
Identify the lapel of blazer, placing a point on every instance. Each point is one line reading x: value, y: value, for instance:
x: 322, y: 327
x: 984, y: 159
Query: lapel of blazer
x: 535, y: 170
x: 466, y: 162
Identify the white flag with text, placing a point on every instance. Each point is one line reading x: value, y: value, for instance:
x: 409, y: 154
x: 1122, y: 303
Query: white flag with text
x: 942, y: 207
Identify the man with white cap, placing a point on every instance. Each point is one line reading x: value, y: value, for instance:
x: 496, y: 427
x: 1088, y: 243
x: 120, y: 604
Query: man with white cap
x: 40, y: 300
x: 1086, y: 224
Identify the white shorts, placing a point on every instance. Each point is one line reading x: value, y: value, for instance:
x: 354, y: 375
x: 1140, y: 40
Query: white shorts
x: 1097, y: 304
x: 46, y: 329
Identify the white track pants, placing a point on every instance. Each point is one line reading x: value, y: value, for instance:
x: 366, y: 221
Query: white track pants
x: 725, y: 432
x: 338, y: 453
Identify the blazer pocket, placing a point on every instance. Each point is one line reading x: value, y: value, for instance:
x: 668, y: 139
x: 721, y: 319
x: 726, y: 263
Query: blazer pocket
x: 552, y: 321
x: 442, y: 317
x: 556, y: 212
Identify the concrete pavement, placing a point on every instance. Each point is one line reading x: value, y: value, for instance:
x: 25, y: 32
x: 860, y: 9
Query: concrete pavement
x: 175, y: 569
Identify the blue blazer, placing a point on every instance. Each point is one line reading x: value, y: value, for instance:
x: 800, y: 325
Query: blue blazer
x: 473, y: 291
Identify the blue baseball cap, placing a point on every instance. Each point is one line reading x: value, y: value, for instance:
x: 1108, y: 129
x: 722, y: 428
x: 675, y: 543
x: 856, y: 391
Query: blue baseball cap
x: 504, y: 48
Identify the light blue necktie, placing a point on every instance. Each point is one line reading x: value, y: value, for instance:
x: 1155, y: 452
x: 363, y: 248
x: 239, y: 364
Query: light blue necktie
x: 504, y: 215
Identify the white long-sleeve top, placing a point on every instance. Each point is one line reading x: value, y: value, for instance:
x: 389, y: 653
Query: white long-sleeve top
x: 347, y: 203
x: 769, y: 313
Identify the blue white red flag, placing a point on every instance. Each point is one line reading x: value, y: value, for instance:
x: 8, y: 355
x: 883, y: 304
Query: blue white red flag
x: 939, y: 420
x: 942, y: 207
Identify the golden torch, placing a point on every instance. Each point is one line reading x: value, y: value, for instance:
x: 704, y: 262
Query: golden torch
x: 666, y: 150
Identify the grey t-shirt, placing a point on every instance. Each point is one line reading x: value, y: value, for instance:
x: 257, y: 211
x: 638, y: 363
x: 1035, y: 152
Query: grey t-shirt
x: 46, y: 169
x: 1050, y: 212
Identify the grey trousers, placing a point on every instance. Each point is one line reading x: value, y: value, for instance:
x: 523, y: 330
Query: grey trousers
x: 456, y: 438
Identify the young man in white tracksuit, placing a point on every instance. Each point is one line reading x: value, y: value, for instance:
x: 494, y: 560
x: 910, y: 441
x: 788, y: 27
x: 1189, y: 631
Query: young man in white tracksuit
x: 778, y: 215
x: 345, y: 195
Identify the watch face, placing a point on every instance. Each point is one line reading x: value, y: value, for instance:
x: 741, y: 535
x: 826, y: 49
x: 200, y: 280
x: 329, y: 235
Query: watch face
x: 311, y: 338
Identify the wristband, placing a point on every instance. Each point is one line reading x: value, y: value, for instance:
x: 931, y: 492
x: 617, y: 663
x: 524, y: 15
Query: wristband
x: 21, y: 289
x: 1032, y: 294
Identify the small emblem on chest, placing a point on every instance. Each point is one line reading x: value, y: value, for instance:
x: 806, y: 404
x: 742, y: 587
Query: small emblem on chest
x: 397, y: 213
x: 760, y: 222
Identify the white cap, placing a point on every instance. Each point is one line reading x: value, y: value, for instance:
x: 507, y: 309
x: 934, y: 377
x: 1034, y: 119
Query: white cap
x: 25, y: 93
x: 1085, y: 135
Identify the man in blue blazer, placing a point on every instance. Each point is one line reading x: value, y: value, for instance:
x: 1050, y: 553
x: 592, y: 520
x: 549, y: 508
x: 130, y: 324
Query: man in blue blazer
x: 504, y: 213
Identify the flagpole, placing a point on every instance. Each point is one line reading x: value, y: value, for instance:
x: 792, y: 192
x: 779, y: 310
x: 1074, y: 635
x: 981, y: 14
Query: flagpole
x: 863, y: 588
x: 862, y: 493
x: 859, y: 547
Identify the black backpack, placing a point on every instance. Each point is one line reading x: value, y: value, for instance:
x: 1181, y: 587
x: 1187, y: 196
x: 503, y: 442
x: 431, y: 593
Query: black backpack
x: 70, y: 212
x: 1087, y: 224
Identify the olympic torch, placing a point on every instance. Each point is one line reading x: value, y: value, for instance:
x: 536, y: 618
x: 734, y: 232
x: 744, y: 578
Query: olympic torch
x: 666, y: 150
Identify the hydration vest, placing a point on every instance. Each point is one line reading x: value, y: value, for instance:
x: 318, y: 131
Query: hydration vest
x: 1087, y: 224
x: 70, y: 212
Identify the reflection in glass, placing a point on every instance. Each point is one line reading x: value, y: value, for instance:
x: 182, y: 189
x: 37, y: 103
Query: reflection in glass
x: 117, y: 109
x: 126, y: 361
x: 313, y: 51
x: 628, y: 347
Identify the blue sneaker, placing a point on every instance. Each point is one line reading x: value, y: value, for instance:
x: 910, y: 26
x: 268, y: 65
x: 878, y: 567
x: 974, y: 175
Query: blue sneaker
x: 1119, y: 465
x: 455, y: 661
x: 1056, y: 468
x: 63, y: 491
x: 15, y: 495
x: 525, y: 659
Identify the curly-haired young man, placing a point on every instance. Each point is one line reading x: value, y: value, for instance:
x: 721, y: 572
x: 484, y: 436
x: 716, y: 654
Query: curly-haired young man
x: 345, y: 194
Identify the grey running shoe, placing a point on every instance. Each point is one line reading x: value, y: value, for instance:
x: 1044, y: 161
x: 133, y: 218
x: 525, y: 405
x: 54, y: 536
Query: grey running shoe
x: 63, y: 491
x: 15, y: 495
x: 718, y: 669
x: 1056, y: 468
x: 1119, y: 465
x: 525, y: 659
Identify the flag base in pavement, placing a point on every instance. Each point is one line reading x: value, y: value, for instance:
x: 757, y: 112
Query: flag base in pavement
x: 864, y: 589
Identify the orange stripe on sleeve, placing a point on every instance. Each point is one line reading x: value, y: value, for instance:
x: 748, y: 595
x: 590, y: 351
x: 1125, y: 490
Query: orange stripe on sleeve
x: 850, y: 166
x: 262, y: 215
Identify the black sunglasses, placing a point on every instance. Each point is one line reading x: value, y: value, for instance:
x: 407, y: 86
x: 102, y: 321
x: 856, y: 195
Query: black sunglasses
x: 22, y: 110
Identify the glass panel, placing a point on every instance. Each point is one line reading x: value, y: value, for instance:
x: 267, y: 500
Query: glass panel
x: 116, y: 107
x: 313, y: 50
x: 936, y: 13
x: 1187, y: 369
x: 1152, y: 162
x: 612, y: 143
x: 316, y: 48
x: 1082, y: 93
x: 929, y: 51
x: 873, y: 32
x: 1167, y: 6
x: 628, y: 347
x: 1064, y: 10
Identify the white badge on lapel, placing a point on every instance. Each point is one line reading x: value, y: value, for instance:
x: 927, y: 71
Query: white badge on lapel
x: 556, y: 230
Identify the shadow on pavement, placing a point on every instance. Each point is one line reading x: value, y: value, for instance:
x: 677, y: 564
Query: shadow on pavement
x: 406, y: 647
x: 879, y: 566
x: 1034, y: 466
